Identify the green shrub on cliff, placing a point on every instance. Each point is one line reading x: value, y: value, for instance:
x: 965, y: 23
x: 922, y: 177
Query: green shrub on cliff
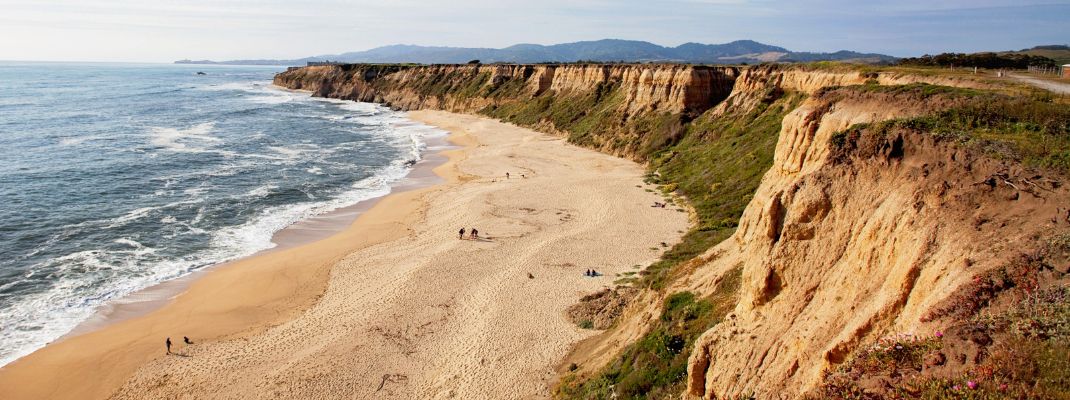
x: 717, y: 162
x: 585, y: 116
x: 1033, y: 132
x: 1036, y: 132
x: 655, y: 366
x: 718, y: 166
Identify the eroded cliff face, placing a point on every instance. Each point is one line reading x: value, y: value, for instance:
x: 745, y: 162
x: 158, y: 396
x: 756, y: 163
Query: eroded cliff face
x: 628, y: 110
x: 611, y: 106
x: 669, y: 88
x: 840, y: 248
x: 470, y: 88
x: 837, y: 248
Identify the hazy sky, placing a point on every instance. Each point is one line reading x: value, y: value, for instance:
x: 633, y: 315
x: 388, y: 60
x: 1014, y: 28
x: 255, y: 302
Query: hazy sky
x: 167, y: 30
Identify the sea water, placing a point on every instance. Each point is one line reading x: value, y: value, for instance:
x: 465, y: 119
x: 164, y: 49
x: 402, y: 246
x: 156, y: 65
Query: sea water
x: 115, y: 177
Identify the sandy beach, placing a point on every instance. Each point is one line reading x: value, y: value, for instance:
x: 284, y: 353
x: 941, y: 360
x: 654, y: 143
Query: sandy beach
x: 395, y: 306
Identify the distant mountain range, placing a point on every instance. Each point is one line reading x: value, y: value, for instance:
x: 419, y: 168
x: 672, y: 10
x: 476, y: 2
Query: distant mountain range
x: 606, y: 50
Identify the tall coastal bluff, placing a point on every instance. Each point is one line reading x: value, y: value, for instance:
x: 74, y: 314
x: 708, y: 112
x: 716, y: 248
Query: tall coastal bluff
x: 839, y: 248
x: 629, y: 110
x: 669, y: 88
x: 842, y: 239
x: 633, y: 94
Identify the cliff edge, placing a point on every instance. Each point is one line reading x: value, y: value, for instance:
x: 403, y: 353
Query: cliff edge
x: 832, y: 207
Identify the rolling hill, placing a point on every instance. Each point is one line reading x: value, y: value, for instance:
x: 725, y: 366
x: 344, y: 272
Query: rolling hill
x: 606, y: 50
x: 1059, y: 53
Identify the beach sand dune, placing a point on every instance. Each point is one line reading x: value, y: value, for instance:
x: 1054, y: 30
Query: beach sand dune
x: 426, y: 315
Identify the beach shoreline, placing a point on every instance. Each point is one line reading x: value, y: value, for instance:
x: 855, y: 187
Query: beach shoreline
x: 308, y: 230
x: 396, y: 291
x: 39, y: 374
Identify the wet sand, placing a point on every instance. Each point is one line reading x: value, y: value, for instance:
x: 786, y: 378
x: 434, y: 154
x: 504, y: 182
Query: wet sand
x: 305, y: 231
x: 395, y: 305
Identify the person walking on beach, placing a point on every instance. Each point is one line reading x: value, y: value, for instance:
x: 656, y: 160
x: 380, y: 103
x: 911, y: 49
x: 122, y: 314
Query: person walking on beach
x: 461, y: 235
x: 168, y: 345
x: 475, y: 233
x: 506, y: 175
x: 186, y: 339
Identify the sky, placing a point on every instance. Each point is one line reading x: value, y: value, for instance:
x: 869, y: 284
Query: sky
x: 168, y: 30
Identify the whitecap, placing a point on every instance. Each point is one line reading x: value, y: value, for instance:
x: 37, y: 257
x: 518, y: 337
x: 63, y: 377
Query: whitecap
x: 286, y: 152
x: 132, y: 215
x: 274, y: 98
x: 142, y: 212
x: 195, y: 139
x: 364, y: 108
x: 129, y: 242
x: 261, y: 191
x: 295, y: 151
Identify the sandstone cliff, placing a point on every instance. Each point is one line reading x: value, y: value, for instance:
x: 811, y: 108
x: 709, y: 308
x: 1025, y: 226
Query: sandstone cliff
x: 835, y: 241
x: 470, y: 88
x: 611, y: 100
x: 841, y: 248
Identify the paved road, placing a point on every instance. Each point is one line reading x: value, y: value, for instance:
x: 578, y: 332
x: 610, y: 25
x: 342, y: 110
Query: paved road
x: 1057, y: 87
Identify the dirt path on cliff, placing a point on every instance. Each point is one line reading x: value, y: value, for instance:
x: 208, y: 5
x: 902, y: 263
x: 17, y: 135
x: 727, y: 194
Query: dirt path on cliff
x: 431, y: 316
x: 1057, y: 87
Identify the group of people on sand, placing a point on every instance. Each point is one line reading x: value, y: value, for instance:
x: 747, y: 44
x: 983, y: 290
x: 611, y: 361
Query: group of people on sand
x: 591, y: 273
x: 658, y: 204
x: 168, y: 343
x: 473, y: 235
x: 507, y: 176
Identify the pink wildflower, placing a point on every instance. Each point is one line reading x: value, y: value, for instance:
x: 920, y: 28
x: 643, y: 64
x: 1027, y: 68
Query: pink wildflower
x: 956, y: 387
x: 971, y: 384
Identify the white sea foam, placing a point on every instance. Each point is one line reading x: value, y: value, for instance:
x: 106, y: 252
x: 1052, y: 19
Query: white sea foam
x: 294, y: 152
x: 276, y: 97
x: 364, y: 108
x: 84, y: 280
x: 195, y: 139
x: 132, y: 215
x: 287, y: 152
x: 143, y: 212
x: 231, y: 86
x: 359, y: 109
x: 129, y: 242
x: 261, y: 191
x: 258, y: 93
x: 256, y: 234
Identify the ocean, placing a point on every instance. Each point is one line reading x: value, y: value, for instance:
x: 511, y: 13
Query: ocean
x: 116, y: 177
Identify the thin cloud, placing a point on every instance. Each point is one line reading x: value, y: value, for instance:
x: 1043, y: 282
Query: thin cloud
x: 128, y: 30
